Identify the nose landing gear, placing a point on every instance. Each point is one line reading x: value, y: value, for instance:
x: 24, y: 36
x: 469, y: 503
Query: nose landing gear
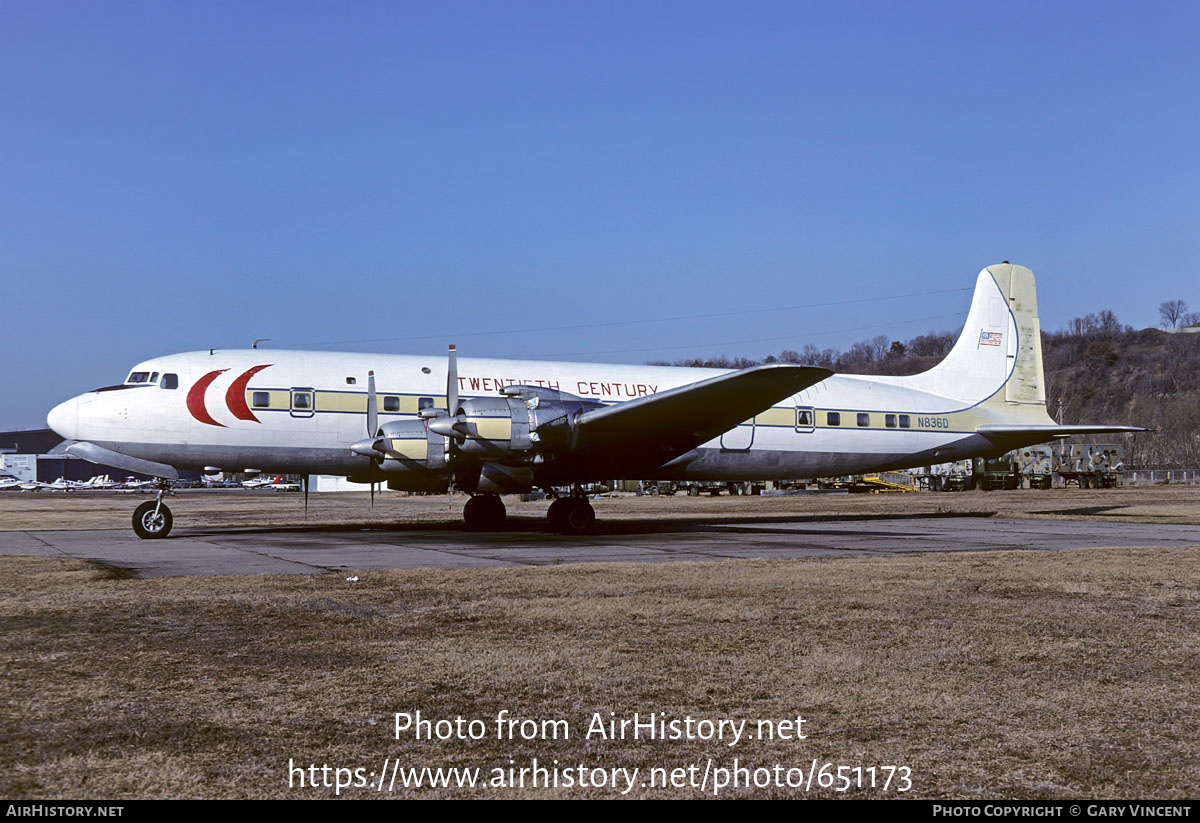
x: 152, y: 520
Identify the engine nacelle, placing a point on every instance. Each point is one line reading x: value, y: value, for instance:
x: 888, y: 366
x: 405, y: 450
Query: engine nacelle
x: 489, y: 427
x: 409, y: 446
x: 407, y: 456
x: 533, y: 422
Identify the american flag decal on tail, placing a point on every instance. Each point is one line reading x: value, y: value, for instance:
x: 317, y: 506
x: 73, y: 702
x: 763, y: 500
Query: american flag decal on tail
x: 990, y: 338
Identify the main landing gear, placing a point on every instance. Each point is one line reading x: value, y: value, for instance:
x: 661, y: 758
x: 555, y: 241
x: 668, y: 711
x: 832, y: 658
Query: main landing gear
x: 567, y: 515
x: 152, y: 519
x: 571, y: 515
x: 484, y: 511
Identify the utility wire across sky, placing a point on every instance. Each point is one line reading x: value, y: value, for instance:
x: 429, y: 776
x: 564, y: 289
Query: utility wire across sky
x: 643, y: 321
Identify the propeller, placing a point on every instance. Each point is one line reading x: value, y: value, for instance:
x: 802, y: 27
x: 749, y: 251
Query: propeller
x: 451, y: 426
x: 372, y: 430
x: 452, y: 382
x: 451, y: 409
x: 446, y: 423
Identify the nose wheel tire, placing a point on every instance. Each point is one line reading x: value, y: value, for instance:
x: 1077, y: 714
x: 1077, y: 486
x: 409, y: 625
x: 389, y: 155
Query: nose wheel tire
x: 148, y: 525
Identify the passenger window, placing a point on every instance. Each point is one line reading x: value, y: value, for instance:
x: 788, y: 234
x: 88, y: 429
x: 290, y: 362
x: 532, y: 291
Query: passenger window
x: 833, y: 419
x: 169, y: 381
x: 890, y: 421
x: 261, y: 399
x: 350, y: 381
x: 391, y: 404
x: 424, y: 403
x: 904, y: 422
x: 302, y: 400
x: 806, y: 419
x: 864, y: 419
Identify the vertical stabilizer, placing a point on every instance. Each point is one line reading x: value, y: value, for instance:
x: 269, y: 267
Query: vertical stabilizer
x: 997, y: 360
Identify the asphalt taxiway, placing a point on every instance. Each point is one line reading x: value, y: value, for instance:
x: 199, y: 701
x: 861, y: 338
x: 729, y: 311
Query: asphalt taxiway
x: 306, y: 551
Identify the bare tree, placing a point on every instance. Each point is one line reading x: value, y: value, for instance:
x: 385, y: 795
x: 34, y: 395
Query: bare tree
x: 1170, y: 311
x: 858, y: 360
x: 1108, y: 321
x: 812, y: 356
x: 933, y: 344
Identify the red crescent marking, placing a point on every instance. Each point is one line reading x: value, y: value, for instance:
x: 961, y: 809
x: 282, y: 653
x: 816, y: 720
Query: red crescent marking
x: 235, y: 398
x: 195, y: 398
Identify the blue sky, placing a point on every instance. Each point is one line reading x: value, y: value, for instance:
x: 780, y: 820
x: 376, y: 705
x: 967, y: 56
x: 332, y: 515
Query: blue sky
x: 394, y: 176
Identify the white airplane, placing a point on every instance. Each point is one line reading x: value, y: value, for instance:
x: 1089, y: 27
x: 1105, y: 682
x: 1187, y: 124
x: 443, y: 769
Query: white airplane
x: 273, y: 483
x: 61, y: 484
x: 518, y: 424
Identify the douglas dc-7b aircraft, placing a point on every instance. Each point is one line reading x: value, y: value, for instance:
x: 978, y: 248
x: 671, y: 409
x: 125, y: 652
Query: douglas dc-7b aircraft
x: 507, y: 426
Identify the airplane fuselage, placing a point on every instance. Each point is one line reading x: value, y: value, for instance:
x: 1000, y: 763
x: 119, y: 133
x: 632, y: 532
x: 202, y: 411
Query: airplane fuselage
x: 494, y: 427
x: 299, y: 412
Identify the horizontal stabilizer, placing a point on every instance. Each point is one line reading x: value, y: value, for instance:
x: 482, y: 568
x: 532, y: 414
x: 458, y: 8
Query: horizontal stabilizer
x: 1016, y: 436
x: 1058, y: 431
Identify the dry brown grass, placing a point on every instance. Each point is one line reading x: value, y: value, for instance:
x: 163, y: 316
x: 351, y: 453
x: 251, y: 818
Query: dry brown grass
x: 990, y: 674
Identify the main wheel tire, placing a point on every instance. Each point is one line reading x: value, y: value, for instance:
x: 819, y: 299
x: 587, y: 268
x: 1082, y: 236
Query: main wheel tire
x: 554, y: 514
x: 149, y: 526
x: 577, y: 518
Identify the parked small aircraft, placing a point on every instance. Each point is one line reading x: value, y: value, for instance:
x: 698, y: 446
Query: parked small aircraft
x: 507, y: 426
x: 275, y: 483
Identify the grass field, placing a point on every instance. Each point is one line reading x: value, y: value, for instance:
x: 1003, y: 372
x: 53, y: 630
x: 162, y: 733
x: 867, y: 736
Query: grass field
x: 988, y: 674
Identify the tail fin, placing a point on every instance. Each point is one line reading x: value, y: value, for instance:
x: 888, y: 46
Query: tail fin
x: 997, y: 360
x: 996, y: 365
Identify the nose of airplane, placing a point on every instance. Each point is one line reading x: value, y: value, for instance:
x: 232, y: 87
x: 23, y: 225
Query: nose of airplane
x: 64, y: 419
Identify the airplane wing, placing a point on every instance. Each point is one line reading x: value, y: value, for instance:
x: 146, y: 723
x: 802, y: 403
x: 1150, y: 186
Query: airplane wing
x: 655, y: 429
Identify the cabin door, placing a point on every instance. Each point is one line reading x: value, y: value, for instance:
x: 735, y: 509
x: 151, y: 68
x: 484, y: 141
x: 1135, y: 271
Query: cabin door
x: 739, y: 439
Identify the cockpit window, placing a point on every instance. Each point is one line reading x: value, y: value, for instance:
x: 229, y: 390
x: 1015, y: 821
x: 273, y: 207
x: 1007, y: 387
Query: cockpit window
x: 169, y: 381
x: 139, y: 377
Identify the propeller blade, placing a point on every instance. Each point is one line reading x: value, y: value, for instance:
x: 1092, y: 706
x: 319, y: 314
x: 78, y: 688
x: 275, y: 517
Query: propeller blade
x: 372, y: 407
x: 452, y: 382
x: 372, y: 434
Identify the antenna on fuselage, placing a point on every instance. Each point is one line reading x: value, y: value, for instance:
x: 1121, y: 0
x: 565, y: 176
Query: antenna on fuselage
x: 259, y: 340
